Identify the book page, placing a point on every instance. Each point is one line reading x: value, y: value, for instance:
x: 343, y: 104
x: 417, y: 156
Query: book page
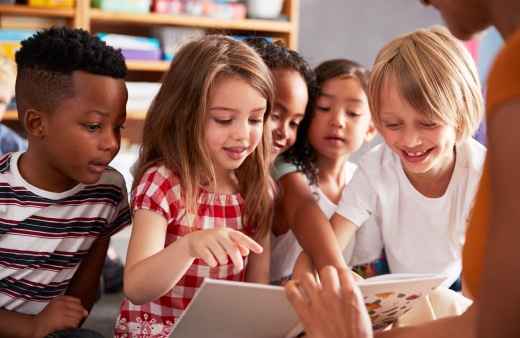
x: 226, y: 309
x: 387, y: 297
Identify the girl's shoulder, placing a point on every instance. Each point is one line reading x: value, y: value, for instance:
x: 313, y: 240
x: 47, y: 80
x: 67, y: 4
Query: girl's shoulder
x: 281, y: 167
x: 159, y: 176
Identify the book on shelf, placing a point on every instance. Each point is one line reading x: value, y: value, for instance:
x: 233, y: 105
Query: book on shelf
x: 247, y: 310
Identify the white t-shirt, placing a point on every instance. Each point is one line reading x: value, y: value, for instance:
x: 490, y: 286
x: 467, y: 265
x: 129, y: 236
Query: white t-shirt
x: 285, y: 248
x: 420, y: 234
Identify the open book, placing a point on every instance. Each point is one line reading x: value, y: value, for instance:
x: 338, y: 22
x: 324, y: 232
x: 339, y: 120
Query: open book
x: 245, y: 310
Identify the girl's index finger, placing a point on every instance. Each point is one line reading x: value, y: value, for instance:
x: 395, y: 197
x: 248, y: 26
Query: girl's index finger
x: 245, y: 242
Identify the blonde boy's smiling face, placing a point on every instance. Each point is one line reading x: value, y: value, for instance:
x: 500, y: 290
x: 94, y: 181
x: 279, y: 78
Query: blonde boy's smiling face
x: 83, y: 134
x: 425, y: 148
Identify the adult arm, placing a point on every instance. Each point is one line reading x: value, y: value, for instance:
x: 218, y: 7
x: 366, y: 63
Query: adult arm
x: 308, y: 223
x: 499, y: 287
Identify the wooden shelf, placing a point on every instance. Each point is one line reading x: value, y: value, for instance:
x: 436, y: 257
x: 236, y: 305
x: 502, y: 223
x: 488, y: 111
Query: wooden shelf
x: 37, y: 11
x: 11, y: 114
x: 82, y: 16
x: 97, y: 15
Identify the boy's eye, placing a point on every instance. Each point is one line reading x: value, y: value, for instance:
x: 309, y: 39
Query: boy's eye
x: 429, y: 125
x: 275, y: 116
x: 119, y: 127
x: 352, y: 114
x: 392, y: 125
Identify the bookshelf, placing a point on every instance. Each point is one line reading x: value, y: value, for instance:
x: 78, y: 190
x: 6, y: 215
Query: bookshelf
x: 96, y: 20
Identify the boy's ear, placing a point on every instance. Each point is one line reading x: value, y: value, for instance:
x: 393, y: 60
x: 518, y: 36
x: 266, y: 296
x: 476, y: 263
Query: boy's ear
x: 371, y: 132
x: 33, y: 122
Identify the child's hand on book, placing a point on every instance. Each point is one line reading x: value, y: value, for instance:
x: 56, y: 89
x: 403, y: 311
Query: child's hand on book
x: 218, y: 245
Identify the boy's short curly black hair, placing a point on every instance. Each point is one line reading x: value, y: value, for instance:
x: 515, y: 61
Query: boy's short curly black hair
x: 277, y: 56
x: 46, y: 62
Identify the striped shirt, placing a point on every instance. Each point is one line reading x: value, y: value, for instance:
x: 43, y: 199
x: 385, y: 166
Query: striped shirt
x: 44, y: 236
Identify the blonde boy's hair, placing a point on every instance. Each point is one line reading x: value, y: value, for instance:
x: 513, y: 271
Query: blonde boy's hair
x: 7, y: 71
x: 435, y: 74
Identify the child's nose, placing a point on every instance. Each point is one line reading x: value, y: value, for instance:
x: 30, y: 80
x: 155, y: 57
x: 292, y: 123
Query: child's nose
x: 338, y: 118
x: 410, y: 137
x: 241, y: 131
x: 110, y: 141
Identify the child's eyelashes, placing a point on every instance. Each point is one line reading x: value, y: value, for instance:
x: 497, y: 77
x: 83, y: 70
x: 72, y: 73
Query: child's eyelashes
x: 229, y: 121
x: 96, y: 127
x: 256, y: 121
x: 429, y: 125
x: 392, y: 125
x: 223, y: 122
x: 92, y: 127
x: 396, y: 125
x: 294, y: 124
x: 324, y: 109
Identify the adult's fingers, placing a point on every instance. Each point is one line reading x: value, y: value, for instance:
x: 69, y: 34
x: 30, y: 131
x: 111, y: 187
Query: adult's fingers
x: 297, y: 298
x: 329, y: 279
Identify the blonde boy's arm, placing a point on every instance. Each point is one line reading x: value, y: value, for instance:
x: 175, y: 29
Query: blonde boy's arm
x: 257, y: 270
x: 343, y: 228
x: 308, y: 222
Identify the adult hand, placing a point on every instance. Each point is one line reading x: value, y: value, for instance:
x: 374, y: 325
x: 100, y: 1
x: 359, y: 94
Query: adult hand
x: 334, y: 308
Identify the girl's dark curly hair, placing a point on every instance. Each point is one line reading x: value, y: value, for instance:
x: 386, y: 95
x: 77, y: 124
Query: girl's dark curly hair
x: 303, y: 154
x: 277, y: 56
x: 47, y: 60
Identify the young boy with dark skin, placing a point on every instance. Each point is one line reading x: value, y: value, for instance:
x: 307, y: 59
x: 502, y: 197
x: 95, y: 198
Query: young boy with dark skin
x: 491, y: 240
x: 60, y: 202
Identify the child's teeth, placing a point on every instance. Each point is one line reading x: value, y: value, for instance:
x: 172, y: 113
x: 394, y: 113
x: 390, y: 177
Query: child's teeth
x: 419, y: 153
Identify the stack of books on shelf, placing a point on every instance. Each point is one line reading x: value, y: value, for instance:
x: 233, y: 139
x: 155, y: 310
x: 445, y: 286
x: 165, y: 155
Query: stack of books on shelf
x: 227, y: 10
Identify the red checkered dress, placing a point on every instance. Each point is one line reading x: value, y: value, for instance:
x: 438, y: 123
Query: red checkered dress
x: 159, y: 190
